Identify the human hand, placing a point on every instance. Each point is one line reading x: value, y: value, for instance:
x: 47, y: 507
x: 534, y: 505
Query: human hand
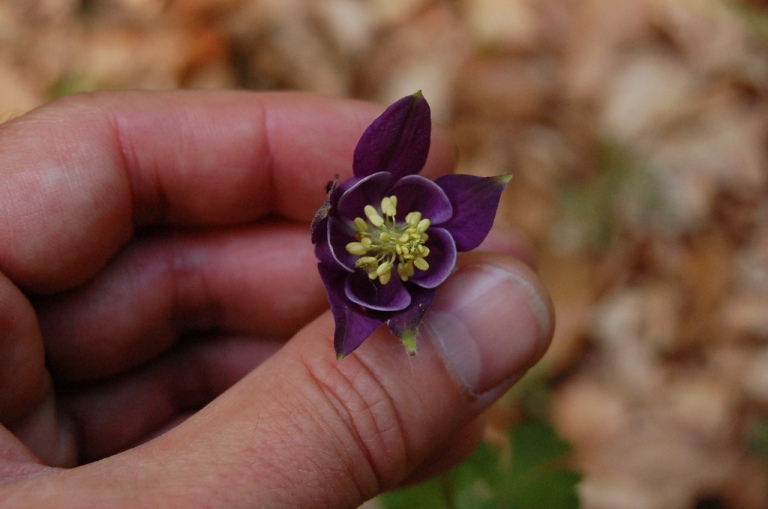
x: 155, y: 255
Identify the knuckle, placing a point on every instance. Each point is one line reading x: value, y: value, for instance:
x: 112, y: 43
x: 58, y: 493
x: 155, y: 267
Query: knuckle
x: 361, y: 403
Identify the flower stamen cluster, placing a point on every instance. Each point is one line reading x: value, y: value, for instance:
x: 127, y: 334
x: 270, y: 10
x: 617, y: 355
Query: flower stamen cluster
x: 383, y: 243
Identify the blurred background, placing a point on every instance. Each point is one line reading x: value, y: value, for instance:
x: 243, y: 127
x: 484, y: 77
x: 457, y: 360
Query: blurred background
x: 637, y: 134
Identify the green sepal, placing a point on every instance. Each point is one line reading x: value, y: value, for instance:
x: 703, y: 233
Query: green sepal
x: 409, y: 342
x: 502, y: 179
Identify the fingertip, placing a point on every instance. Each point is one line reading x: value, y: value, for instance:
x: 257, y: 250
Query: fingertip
x: 490, y: 322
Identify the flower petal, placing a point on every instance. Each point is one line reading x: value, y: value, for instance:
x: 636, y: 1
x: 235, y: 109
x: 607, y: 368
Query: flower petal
x: 365, y: 191
x: 397, y: 141
x: 405, y: 323
x: 373, y: 295
x: 475, y: 200
x: 339, y: 235
x: 353, y: 325
x: 441, y: 259
x: 417, y: 193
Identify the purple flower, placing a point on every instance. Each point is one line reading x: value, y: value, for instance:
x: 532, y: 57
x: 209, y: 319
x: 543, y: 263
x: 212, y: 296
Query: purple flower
x: 387, y: 237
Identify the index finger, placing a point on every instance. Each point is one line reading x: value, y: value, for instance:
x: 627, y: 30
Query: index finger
x: 78, y: 176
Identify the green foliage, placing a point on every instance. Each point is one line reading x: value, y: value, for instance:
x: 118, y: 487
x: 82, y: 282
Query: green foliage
x: 754, y: 18
x: 759, y: 439
x: 530, y: 475
x: 70, y: 83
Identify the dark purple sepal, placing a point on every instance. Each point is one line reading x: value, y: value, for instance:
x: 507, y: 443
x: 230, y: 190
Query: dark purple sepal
x: 405, y: 324
x: 318, y: 229
x: 441, y: 259
x: 323, y: 252
x: 371, y: 294
x: 397, y: 141
x: 353, y: 324
x: 475, y: 200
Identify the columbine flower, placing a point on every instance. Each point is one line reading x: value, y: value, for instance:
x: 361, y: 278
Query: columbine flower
x: 387, y: 237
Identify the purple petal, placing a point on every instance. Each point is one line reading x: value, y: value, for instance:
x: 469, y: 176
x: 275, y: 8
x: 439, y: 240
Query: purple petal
x: 353, y: 325
x: 405, y: 323
x: 397, y: 141
x: 340, y: 234
x: 365, y: 191
x: 416, y: 193
x: 373, y: 295
x: 474, y: 200
x: 441, y: 259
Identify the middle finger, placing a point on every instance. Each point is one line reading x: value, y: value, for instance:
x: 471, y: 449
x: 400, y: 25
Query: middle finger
x: 257, y: 280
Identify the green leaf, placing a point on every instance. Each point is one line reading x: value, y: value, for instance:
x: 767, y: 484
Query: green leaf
x: 427, y: 495
x: 531, y: 474
x: 759, y: 439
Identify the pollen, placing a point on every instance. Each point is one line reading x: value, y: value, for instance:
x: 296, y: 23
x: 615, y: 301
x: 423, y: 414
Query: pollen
x: 385, y: 245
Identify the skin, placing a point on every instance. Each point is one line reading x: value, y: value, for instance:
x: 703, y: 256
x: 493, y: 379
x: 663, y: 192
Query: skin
x: 164, y: 334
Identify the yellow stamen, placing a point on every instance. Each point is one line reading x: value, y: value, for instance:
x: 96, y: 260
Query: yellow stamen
x: 402, y: 271
x: 361, y: 225
x: 389, y: 206
x: 356, y: 248
x: 413, y: 218
x: 421, y: 263
x: 367, y: 262
x: 384, y: 244
x: 373, y: 216
x: 383, y: 268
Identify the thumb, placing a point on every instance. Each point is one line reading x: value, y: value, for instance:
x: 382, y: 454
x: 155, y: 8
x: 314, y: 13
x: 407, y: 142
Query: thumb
x: 306, y: 430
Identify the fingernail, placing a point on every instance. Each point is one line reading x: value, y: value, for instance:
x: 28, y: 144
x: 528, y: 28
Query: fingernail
x: 488, y: 324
